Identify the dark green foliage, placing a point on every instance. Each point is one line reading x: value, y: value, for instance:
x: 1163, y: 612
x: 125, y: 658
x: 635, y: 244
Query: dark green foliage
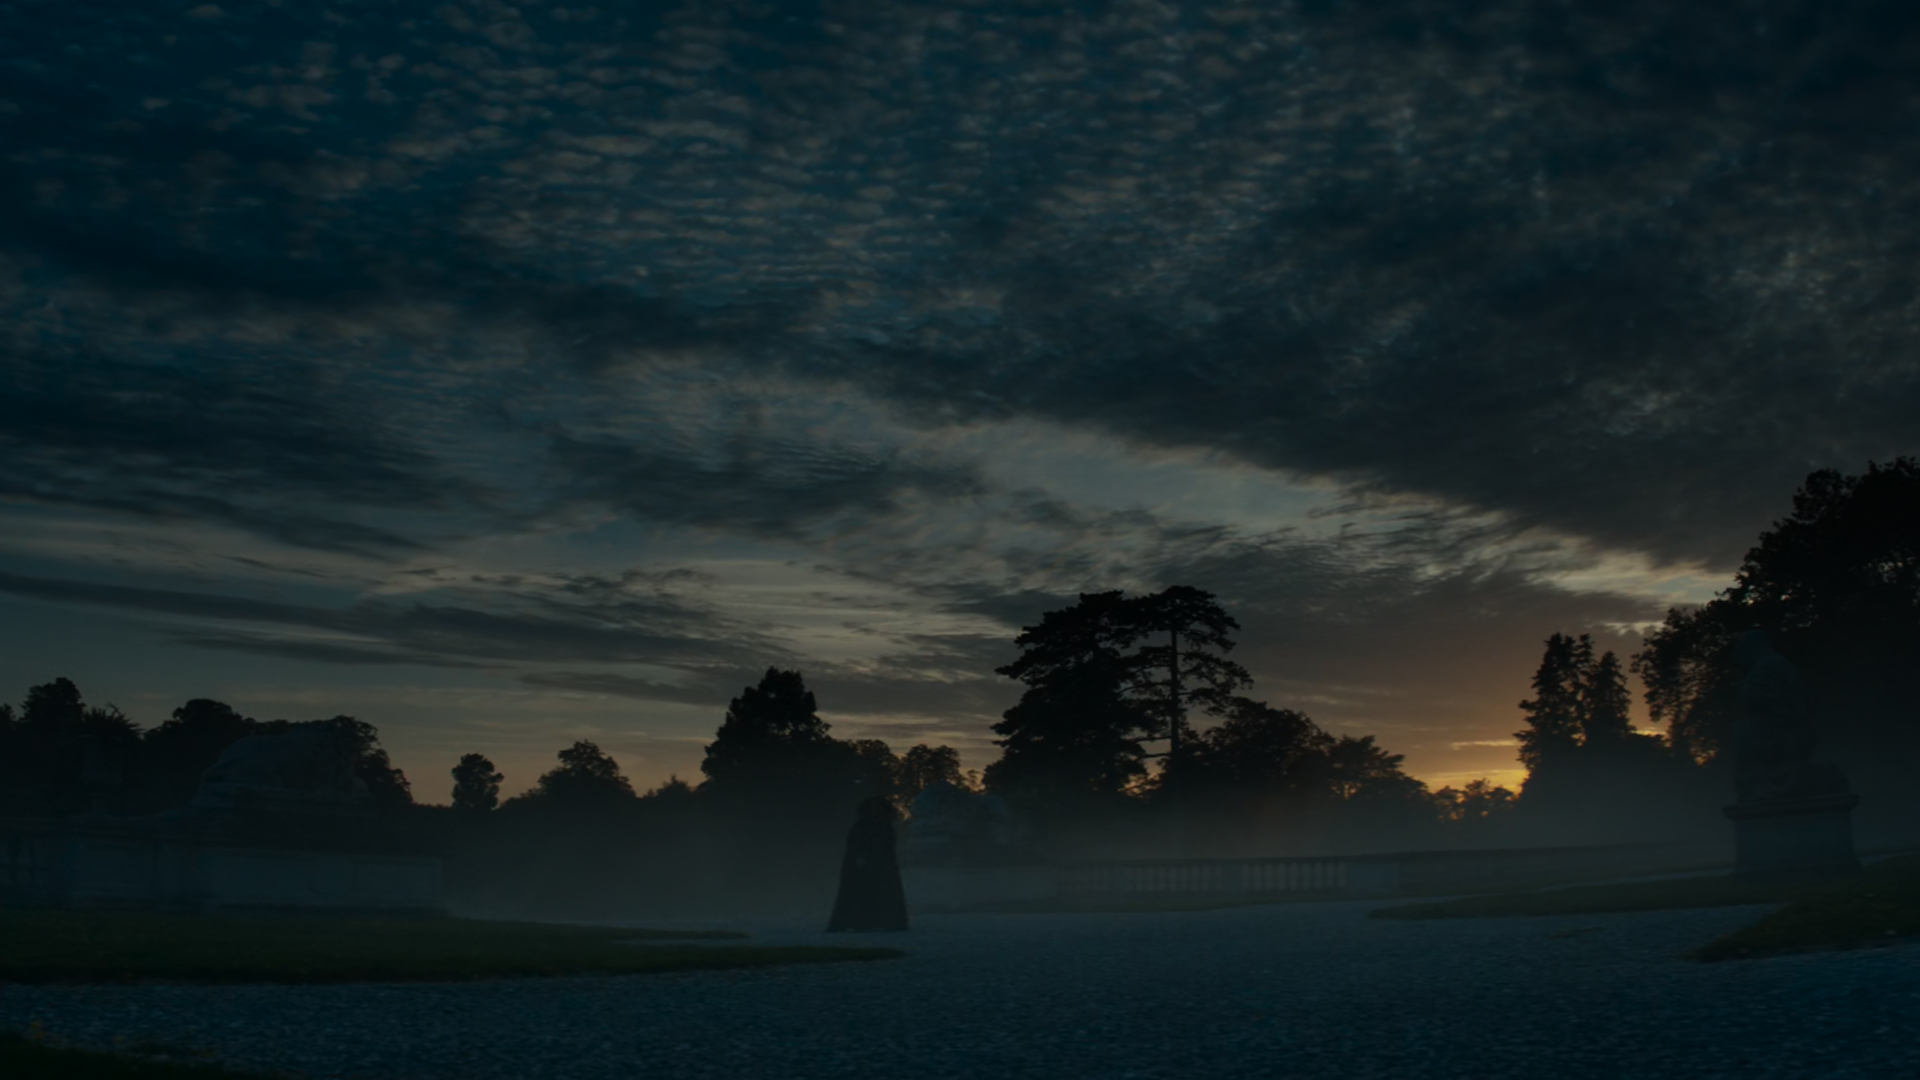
x: 476, y: 784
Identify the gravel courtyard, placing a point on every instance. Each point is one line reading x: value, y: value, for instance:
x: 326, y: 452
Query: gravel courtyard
x: 1307, y: 990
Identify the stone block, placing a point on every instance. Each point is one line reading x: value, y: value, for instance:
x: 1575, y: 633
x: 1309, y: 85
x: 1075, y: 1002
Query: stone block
x: 1807, y: 835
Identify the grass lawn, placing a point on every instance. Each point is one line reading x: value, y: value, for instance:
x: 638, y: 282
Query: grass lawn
x: 43, y: 946
x: 1880, y: 907
x: 1877, y: 907
x: 29, y: 1059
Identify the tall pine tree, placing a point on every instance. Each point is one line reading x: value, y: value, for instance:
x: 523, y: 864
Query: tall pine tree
x: 1186, y: 667
x: 1555, y: 714
x: 1604, y: 704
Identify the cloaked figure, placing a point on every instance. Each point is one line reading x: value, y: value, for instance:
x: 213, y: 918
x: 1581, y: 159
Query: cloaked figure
x: 871, y: 896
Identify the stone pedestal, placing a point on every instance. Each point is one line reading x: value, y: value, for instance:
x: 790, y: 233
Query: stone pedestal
x: 1808, y: 835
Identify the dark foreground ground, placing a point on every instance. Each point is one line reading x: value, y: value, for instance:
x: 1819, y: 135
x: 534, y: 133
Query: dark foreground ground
x: 1301, y: 990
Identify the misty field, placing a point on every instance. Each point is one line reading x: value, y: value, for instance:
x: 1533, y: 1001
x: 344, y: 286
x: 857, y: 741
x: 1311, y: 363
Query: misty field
x: 47, y: 946
x: 1300, y: 989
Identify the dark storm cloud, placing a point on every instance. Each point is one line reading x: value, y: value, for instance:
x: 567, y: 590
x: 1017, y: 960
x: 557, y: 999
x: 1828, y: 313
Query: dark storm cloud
x: 936, y: 675
x: 322, y: 652
x: 751, y: 485
x: 629, y: 629
x: 1628, y: 273
x: 706, y: 688
x: 896, y: 694
x: 251, y: 445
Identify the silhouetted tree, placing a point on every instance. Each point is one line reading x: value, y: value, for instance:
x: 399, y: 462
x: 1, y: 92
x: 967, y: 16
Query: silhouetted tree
x: 763, y: 729
x: 1837, y: 582
x: 1256, y: 752
x: 879, y: 768
x: 185, y: 745
x: 1604, y: 704
x: 1580, y: 746
x: 674, y: 790
x: 388, y: 785
x: 1357, y: 769
x: 476, y: 784
x: 1476, y: 802
x: 62, y: 748
x: 1073, y: 735
x: 1092, y: 696
x: 390, y: 788
x: 587, y: 779
x: 10, y: 764
x: 1191, y: 666
x: 773, y: 760
x: 1093, y: 633
x: 1689, y: 677
x: 923, y: 766
x: 1555, y: 713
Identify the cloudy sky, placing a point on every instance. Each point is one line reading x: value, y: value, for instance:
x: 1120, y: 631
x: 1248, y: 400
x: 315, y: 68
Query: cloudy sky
x: 506, y: 374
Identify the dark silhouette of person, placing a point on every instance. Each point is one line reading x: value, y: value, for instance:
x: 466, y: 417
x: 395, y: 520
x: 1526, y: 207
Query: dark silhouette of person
x: 871, y: 896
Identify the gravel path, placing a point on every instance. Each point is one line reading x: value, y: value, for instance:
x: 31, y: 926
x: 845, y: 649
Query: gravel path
x: 1306, y: 990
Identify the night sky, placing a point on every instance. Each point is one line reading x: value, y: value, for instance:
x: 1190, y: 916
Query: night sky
x: 511, y: 374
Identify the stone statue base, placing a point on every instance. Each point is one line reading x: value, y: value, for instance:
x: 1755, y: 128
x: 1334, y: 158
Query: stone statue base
x: 1788, y: 836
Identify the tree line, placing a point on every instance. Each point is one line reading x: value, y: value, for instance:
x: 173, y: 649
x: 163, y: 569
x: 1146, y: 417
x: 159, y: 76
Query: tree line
x: 1114, y: 683
x: 59, y: 755
x: 1836, y: 584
